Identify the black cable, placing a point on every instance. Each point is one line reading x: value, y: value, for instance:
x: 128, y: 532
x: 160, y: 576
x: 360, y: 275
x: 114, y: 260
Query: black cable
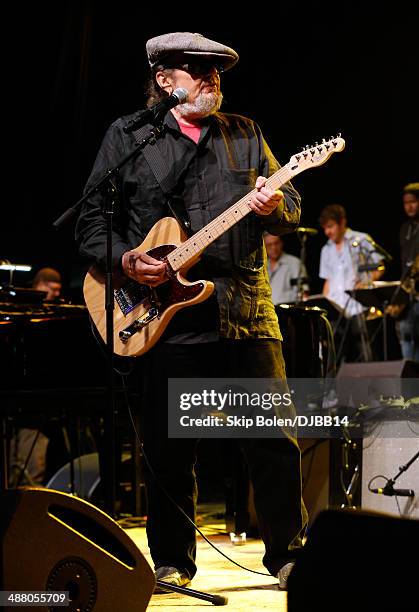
x: 375, y: 478
x: 387, y: 481
x: 122, y: 375
x: 102, y: 348
x: 171, y: 498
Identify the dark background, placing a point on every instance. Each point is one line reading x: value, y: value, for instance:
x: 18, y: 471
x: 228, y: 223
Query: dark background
x: 303, y: 74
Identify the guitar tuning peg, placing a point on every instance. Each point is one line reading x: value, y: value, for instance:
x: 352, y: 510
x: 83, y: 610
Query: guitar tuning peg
x: 316, y: 144
x: 323, y: 140
x: 339, y: 135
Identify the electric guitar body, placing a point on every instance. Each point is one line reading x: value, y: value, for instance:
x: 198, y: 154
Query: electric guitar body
x: 141, y: 314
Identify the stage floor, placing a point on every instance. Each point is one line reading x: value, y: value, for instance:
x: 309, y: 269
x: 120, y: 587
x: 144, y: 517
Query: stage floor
x: 217, y: 575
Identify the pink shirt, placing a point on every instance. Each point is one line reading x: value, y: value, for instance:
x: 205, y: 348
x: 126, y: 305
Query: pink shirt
x: 193, y: 131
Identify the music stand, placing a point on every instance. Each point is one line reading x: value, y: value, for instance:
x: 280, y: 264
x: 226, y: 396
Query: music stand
x: 379, y: 295
x: 333, y: 310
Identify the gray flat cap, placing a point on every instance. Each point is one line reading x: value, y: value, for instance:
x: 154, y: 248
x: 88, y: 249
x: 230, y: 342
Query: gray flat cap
x: 180, y: 46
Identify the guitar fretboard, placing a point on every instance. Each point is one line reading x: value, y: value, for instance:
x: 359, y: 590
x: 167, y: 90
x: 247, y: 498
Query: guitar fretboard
x: 204, y: 237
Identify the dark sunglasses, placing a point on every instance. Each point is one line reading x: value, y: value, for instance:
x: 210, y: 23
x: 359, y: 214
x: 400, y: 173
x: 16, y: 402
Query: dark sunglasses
x: 197, y: 67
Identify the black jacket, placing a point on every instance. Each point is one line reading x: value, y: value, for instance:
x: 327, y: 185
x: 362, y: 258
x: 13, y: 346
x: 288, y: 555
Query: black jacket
x: 209, y: 177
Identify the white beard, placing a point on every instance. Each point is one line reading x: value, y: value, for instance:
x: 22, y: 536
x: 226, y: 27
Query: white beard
x: 204, y: 105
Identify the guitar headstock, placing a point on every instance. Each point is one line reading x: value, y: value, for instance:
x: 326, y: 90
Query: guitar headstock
x: 316, y: 154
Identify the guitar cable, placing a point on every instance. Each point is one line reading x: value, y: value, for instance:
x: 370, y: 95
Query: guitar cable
x: 152, y: 472
x: 155, y: 477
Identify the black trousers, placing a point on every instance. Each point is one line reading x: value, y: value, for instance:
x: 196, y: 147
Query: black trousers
x: 274, y: 464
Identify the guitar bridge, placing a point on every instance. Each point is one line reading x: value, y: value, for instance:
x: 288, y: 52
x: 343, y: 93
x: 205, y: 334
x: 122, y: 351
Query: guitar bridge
x: 138, y: 324
x: 131, y: 295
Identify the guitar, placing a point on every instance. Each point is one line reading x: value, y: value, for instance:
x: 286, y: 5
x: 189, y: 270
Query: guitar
x: 407, y: 288
x: 141, y: 313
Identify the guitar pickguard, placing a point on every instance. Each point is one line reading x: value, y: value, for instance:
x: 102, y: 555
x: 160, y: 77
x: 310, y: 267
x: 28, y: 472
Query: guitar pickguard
x: 132, y: 294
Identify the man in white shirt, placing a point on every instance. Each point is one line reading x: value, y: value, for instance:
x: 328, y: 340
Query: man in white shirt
x: 347, y: 261
x: 282, y: 269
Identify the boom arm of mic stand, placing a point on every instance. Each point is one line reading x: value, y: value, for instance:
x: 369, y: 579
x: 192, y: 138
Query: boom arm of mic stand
x: 403, y: 468
x: 155, y: 133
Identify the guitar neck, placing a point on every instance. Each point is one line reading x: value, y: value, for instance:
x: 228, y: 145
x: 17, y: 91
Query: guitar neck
x: 189, y: 250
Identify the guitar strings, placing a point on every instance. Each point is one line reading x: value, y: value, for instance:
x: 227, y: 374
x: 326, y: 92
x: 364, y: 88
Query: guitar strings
x: 209, y: 233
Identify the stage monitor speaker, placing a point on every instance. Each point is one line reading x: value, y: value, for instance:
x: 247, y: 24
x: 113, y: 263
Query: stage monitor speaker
x: 403, y: 368
x: 392, y: 442
x: 392, y: 377
x: 53, y: 541
x: 356, y: 560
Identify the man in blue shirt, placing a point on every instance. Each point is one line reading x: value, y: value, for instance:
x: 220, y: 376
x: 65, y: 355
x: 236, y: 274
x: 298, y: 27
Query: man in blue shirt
x: 348, y: 261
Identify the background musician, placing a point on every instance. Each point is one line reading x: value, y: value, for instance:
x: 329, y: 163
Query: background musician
x: 283, y: 268
x: 408, y: 324
x: 49, y: 280
x: 342, y: 261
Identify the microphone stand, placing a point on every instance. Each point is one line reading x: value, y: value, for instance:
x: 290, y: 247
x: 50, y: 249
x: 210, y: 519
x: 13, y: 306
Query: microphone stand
x: 107, y: 187
x: 303, y: 254
x: 389, y: 486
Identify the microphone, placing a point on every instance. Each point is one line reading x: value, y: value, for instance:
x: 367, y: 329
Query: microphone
x: 375, y: 246
x: 390, y: 491
x: 379, y: 249
x: 307, y: 230
x: 150, y: 115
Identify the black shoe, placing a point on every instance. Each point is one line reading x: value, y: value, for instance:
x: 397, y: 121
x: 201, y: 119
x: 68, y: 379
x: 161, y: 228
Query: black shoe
x: 171, y: 575
x: 283, y: 574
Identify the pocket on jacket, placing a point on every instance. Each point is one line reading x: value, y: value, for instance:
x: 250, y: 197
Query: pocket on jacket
x: 244, y: 176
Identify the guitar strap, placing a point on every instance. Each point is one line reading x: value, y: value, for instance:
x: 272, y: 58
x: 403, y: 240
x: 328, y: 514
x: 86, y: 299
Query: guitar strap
x: 164, y: 177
